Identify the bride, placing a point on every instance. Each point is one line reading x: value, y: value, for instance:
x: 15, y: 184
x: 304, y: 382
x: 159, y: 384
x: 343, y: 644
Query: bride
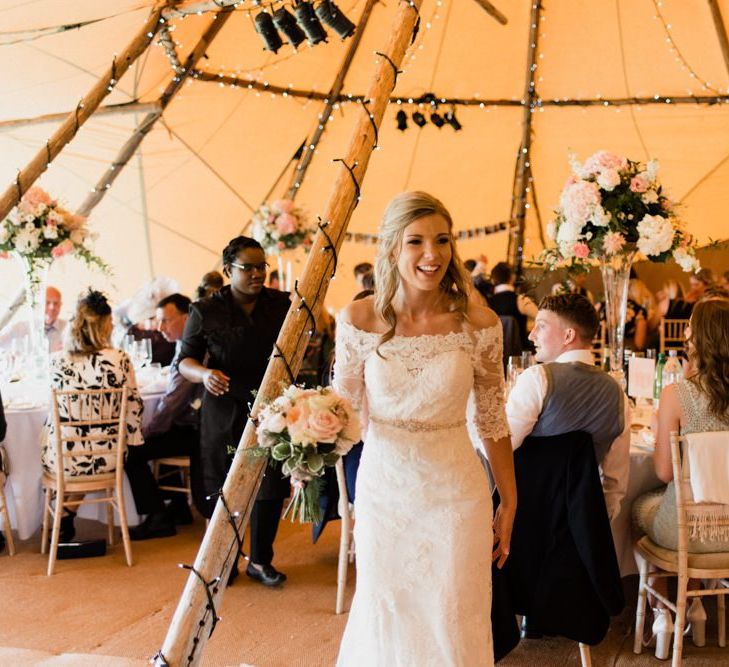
x: 408, y: 358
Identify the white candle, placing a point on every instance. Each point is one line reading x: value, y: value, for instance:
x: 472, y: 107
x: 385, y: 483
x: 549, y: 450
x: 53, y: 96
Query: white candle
x: 280, y: 272
x: 289, y: 284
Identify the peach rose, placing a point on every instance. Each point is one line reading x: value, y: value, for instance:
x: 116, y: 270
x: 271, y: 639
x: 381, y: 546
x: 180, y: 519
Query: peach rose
x: 297, y: 423
x: 283, y: 205
x: 581, y: 250
x: 324, y: 425
x: 33, y: 198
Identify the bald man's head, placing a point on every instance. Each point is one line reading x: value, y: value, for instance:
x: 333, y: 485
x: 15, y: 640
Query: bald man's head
x: 53, y: 305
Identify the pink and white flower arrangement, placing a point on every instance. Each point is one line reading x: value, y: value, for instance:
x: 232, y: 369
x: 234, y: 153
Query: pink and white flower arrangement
x: 40, y: 230
x: 281, y: 225
x: 308, y: 430
x: 612, y: 205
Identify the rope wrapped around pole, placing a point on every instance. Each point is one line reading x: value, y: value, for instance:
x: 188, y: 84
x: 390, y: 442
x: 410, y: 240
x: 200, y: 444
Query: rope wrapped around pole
x: 70, y: 126
x: 191, y: 623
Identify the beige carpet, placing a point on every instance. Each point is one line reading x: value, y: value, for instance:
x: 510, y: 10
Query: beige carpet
x: 100, y: 612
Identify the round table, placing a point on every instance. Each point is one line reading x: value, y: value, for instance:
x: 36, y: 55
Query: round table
x: 23, y: 488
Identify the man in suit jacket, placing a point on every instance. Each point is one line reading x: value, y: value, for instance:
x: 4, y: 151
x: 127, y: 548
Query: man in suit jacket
x: 567, y: 392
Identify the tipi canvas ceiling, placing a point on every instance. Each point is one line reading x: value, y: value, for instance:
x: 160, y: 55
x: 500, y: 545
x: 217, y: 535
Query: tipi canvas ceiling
x: 218, y: 149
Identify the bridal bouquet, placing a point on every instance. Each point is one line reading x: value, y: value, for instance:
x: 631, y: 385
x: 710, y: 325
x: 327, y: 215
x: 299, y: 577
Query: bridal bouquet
x: 39, y: 230
x: 281, y: 226
x: 612, y: 205
x: 307, y: 429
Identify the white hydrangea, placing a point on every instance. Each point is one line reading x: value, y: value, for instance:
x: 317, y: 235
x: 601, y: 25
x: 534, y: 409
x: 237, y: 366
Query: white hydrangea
x: 568, y: 233
x: 655, y: 235
x: 50, y: 232
x: 600, y: 217
x: 608, y: 179
x: 686, y: 261
x: 4, y: 233
x: 27, y: 239
x: 55, y: 217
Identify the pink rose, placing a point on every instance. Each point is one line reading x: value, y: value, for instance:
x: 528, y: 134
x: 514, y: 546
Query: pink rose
x: 62, y: 248
x: 571, y: 180
x: 286, y: 224
x: 283, y: 205
x: 280, y: 245
x: 4, y: 254
x: 603, y: 160
x: 581, y: 250
x: 324, y: 425
x: 639, y: 183
x: 33, y: 198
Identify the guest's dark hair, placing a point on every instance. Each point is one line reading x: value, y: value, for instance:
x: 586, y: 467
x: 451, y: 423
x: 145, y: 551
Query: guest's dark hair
x: 210, y: 283
x: 363, y: 267
x: 368, y: 281
x: 708, y: 348
x: 179, y: 301
x: 501, y: 274
x: 230, y: 252
x: 575, y: 309
x: 470, y: 265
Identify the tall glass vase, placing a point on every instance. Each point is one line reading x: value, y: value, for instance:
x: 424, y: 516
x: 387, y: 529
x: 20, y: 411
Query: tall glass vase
x: 615, y: 271
x: 35, y: 274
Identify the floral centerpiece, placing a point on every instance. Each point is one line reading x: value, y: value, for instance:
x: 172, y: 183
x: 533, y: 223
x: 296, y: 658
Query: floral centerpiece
x: 281, y: 226
x: 36, y: 232
x: 308, y: 430
x: 610, y: 209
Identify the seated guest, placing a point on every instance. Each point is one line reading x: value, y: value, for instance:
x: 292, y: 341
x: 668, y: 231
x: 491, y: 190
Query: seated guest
x: 210, y: 283
x: 698, y: 403
x: 478, y: 269
x: 54, y: 325
x: 698, y: 282
x: 141, y: 312
x: 671, y: 303
x: 635, y: 332
x: 505, y: 300
x: 723, y: 281
x: 89, y: 362
x: 171, y: 431
x: 274, y: 280
x: 360, y: 271
x: 566, y: 392
x: 574, y: 284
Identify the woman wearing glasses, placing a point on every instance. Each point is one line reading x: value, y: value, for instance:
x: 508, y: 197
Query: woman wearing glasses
x: 235, y: 329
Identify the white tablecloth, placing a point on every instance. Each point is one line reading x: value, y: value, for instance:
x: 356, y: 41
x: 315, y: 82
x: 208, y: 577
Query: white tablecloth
x: 23, y: 488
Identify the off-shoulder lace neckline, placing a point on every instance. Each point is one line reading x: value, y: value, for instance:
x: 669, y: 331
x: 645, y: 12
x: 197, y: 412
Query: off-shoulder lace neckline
x: 446, y: 336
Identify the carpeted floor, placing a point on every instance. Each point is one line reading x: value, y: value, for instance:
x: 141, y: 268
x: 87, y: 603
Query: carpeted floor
x: 100, y: 612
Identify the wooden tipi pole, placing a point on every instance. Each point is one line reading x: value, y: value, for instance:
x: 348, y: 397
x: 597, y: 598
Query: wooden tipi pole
x: 68, y: 129
x: 196, y: 612
x: 720, y: 30
x: 523, y: 160
x: 331, y: 99
x: 108, y: 110
x: 131, y: 145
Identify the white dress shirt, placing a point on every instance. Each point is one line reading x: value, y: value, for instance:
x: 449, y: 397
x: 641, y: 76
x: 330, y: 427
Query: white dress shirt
x: 525, y: 404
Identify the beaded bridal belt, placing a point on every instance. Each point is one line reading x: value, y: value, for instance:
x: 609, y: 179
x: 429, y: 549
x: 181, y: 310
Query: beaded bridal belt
x: 416, y: 426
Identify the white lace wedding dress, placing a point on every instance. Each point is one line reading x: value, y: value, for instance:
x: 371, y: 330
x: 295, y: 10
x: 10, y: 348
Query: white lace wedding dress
x: 423, y: 529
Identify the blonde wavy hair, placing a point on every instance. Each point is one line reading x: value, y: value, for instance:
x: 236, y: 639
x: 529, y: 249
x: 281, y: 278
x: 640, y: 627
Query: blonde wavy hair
x: 89, y: 330
x: 404, y: 209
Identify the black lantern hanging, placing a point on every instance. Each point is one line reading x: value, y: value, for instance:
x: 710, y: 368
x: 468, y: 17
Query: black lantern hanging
x: 330, y: 14
x: 286, y: 23
x: 402, y: 120
x: 267, y: 30
x: 450, y: 118
x: 419, y: 119
x: 309, y: 23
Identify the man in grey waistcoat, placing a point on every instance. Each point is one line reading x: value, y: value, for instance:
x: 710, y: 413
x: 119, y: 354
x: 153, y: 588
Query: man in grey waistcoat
x: 567, y: 392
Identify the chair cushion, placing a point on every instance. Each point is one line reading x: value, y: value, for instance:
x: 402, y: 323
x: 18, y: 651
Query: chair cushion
x: 667, y: 559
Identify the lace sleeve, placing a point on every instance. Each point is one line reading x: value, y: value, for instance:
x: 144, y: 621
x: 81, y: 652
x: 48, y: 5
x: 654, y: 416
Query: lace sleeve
x: 488, y: 386
x: 350, y: 351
